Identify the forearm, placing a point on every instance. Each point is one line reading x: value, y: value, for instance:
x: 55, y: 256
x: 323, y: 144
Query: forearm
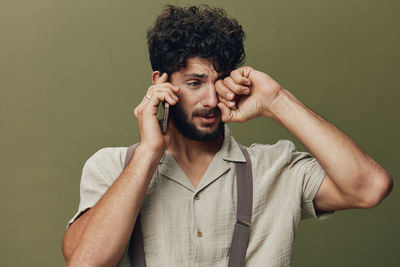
x: 105, y: 232
x: 349, y: 167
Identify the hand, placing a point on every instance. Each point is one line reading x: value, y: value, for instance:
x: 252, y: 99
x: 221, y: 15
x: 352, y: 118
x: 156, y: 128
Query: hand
x: 146, y: 114
x: 246, y: 94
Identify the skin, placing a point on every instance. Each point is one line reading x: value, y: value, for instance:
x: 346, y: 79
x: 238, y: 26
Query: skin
x: 354, y: 180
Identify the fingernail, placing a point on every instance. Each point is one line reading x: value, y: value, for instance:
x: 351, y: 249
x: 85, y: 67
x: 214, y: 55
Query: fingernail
x: 229, y: 95
x: 231, y: 103
x: 246, y: 91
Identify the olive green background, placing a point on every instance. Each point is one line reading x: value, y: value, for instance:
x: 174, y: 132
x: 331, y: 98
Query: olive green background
x: 71, y: 73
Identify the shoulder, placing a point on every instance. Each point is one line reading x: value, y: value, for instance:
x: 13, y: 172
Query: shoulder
x: 270, y: 159
x: 108, y: 161
x: 281, y: 151
x: 114, y: 154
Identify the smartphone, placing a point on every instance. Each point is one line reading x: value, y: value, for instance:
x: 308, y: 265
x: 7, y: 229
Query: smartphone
x: 163, y: 116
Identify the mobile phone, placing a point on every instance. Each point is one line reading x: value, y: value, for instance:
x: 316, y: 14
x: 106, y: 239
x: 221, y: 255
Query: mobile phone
x: 163, y: 116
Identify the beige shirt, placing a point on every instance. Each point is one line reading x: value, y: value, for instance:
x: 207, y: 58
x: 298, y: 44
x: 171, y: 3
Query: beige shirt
x: 187, y: 226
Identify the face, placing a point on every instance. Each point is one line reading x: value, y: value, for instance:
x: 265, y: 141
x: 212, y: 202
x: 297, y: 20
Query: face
x: 196, y: 115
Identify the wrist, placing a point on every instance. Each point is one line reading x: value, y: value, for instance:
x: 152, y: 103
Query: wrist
x: 148, y: 153
x: 277, y: 104
x: 286, y: 108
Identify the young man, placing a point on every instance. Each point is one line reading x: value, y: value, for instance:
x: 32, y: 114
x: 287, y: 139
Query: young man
x: 183, y: 183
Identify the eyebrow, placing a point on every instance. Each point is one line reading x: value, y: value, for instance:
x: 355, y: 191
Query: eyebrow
x: 196, y: 75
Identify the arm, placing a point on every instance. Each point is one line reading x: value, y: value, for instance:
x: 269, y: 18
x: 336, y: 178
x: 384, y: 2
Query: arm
x: 99, y: 237
x: 354, y: 179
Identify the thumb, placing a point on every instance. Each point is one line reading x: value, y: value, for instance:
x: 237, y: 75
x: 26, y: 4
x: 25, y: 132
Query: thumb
x: 227, y: 114
x: 162, y: 79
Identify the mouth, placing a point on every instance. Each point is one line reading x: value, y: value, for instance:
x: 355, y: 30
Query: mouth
x: 208, y: 119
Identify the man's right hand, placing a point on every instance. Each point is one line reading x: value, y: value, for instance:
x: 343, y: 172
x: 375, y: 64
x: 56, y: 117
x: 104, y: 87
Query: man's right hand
x: 146, y: 113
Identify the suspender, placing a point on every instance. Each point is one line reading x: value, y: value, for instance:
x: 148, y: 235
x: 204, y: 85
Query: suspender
x: 241, y: 231
x: 136, y: 248
x: 240, y: 239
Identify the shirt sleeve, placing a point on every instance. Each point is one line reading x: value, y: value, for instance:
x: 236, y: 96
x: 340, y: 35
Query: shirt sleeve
x: 98, y: 174
x: 308, y: 175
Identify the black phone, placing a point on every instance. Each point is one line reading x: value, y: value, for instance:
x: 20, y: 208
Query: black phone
x: 163, y: 116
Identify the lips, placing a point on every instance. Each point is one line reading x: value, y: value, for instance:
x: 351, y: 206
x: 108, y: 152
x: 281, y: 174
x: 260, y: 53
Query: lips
x: 208, y: 120
x: 207, y: 116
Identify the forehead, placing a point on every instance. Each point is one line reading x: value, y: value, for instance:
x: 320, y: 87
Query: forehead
x: 197, y: 66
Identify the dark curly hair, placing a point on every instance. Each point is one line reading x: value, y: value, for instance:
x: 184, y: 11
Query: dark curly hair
x: 181, y: 33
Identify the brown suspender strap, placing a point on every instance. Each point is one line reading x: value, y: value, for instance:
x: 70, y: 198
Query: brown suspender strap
x: 136, y: 248
x: 241, y: 232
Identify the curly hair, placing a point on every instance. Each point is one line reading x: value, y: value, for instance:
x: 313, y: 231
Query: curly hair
x: 181, y: 33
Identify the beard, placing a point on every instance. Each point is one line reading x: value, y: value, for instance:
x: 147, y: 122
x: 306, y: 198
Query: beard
x: 189, y: 129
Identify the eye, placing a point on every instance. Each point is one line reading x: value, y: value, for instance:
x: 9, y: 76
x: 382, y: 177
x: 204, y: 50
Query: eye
x: 194, y: 83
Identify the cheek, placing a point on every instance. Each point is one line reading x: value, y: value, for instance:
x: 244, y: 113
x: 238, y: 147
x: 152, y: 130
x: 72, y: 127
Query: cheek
x: 183, y: 106
x: 186, y: 102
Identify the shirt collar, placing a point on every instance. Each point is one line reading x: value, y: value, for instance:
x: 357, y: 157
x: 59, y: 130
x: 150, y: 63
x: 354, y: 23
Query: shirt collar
x: 229, y: 152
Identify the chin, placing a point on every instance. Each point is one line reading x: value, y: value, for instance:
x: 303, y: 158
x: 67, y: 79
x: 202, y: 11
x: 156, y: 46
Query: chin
x: 202, y: 129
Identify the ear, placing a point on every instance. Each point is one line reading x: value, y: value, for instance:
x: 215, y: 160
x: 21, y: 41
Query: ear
x: 155, y: 76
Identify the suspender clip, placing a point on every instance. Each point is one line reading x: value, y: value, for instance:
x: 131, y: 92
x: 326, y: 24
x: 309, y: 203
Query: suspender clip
x: 243, y: 223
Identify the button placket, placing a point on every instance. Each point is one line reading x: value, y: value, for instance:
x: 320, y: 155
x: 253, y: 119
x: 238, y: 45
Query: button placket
x: 198, y: 232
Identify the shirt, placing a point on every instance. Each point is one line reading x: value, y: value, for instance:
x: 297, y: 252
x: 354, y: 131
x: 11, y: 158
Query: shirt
x: 187, y: 226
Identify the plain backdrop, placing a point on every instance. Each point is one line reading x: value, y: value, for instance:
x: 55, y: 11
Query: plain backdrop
x: 71, y: 73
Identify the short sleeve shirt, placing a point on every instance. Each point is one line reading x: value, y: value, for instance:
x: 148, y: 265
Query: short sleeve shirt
x: 184, y: 225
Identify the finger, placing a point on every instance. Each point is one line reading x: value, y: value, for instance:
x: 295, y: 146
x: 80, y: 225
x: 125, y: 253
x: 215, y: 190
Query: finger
x: 161, y: 96
x: 239, y: 78
x: 230, y: 115
x: 223, y: 91
x: 230, y: 104
x: 162, y: 79
x: 236, y: 88
x: 162, y: 87
x: 227, y: 114
x: 245, y: 71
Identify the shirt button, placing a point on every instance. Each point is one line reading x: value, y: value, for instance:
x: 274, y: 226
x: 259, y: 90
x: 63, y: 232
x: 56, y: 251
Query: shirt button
x: 197, y: 197
x: 199, y: 234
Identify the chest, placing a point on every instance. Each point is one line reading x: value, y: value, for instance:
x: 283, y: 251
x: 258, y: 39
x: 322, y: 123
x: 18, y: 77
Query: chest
x: 195, y: 172
x: 180, y: 225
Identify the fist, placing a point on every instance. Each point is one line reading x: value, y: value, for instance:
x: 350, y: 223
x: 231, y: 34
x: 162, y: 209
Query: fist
x: 246, y: 94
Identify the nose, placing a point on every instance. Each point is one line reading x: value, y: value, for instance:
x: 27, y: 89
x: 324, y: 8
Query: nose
x: 210, y: 98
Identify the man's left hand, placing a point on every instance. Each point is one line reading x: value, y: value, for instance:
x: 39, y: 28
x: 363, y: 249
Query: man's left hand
x: 246, y: 94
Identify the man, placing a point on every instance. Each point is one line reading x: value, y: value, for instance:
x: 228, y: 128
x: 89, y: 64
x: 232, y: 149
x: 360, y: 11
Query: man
x: 183, y: 183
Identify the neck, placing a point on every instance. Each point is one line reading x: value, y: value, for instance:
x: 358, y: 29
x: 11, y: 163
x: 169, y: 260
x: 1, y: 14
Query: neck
x: 184, y: 149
